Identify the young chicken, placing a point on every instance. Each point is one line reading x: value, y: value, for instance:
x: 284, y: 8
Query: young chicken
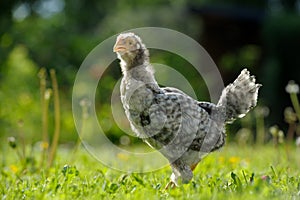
x: 180, y: 127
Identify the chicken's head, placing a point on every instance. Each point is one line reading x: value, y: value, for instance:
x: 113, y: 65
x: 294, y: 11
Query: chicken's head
x: 130, y: 49
x: 127, y: 42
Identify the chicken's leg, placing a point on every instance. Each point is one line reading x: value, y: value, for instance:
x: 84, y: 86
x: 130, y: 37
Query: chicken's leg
x: 180, y: 170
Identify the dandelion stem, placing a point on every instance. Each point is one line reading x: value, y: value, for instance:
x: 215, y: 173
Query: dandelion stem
x: 56, y: 118
x: 260, y: 132
x: 84, y: 104
x: 295, y: 103
x: 44, y: 105
x: 23, y: 143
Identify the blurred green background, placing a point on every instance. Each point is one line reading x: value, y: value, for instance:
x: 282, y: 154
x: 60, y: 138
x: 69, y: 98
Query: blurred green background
x: 261, y: 35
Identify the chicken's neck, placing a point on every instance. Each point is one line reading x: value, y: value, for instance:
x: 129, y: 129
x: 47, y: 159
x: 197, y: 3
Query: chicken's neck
x: 137, y: 67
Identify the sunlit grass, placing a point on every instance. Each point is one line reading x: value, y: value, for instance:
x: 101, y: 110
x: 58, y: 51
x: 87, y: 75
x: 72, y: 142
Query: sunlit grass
x: 235, y: 172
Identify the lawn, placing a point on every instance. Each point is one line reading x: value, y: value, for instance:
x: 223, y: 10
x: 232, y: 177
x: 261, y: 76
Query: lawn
x: 235, y: 172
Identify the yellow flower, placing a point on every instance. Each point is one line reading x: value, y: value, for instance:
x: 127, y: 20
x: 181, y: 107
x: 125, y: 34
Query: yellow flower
x: 234, y: 160
x: 123, y: 156
x: 44, y: 145
x: 221, y: 159
x: 14, y: 168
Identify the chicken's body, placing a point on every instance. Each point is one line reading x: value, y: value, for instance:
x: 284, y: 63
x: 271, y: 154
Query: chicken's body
x: 181, y: 128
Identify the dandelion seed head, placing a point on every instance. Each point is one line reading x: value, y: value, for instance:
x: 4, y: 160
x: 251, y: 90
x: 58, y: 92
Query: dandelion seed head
x: 274, y: 130
x: 47, y: 94
x: 280, y: 136
x: 85, y: 103
x: 262, y: 111
x: 292, y: 87
x: 125, y: 140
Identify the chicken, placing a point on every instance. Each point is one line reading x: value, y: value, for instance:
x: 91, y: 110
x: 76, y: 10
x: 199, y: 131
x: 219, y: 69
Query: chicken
x: 180, y: 127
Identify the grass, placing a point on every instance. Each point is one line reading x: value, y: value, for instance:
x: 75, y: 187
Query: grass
x: 235, y: 172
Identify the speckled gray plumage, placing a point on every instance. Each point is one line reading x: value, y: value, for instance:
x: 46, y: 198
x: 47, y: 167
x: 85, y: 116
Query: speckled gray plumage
x: 180, y: 127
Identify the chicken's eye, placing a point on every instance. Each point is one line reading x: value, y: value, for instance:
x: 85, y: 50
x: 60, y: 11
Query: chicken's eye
x: 130, y: 43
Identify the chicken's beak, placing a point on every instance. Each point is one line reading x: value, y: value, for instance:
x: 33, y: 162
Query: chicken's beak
x: 119, y: 46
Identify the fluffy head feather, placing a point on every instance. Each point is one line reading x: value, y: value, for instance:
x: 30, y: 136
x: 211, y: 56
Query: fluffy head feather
x: 131, y: 51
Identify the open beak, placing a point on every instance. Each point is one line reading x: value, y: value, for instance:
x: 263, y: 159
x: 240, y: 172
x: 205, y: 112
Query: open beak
x: 119, y: 46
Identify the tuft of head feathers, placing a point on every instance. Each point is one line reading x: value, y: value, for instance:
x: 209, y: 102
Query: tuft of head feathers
x: 131, y: 51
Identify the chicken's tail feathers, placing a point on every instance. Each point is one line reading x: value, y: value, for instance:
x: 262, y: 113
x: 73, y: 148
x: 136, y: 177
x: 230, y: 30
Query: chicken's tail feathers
x: 240, y: 96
